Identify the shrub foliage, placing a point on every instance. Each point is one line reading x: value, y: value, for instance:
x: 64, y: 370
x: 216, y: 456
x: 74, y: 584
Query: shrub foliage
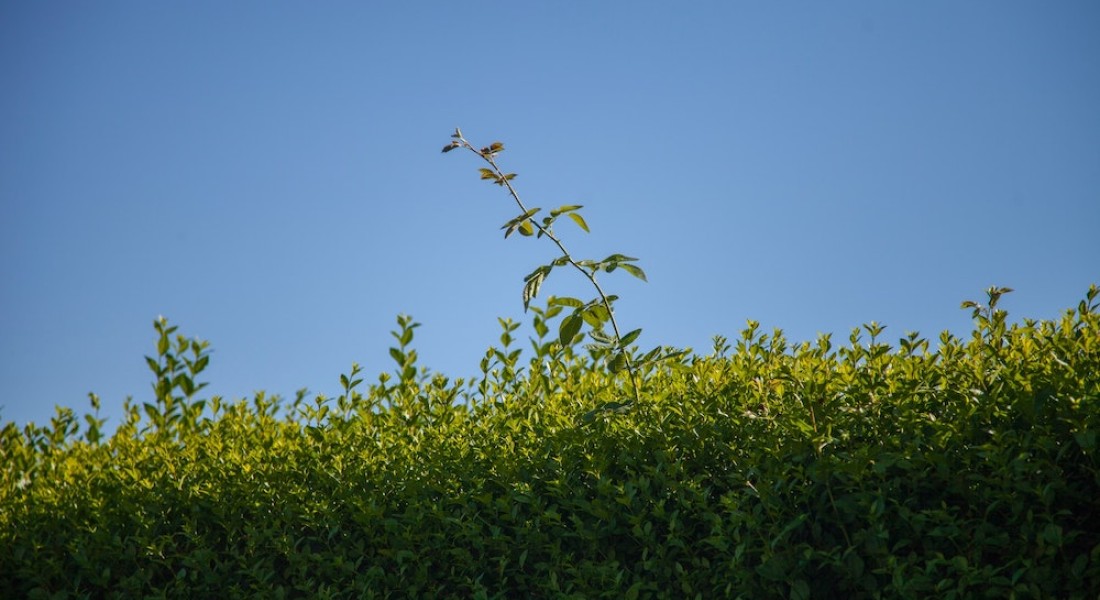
x: 963, y: 468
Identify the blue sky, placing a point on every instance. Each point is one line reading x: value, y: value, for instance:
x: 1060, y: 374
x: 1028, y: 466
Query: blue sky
x: 268, y: 175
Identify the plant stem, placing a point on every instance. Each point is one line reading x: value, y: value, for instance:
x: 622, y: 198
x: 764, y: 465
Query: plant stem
x: 589, y: 274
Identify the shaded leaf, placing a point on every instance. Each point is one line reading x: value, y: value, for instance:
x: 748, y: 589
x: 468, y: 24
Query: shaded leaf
x: 570, y: 326
x: 611, y: 407
x: 618, y: 258
x: 596, y: 315
x: 397, y: 355
x: 630, y: 337
x: 531, y: 288
x: 635, y: 270
x: 617, y: 363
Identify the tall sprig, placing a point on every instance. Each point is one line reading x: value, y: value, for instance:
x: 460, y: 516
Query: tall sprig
x: 598, y: 312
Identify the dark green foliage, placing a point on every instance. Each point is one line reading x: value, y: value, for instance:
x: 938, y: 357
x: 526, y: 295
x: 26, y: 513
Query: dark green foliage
x: 768, y: 469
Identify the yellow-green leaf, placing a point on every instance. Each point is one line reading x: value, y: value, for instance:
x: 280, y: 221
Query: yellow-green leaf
x: 579, y: 220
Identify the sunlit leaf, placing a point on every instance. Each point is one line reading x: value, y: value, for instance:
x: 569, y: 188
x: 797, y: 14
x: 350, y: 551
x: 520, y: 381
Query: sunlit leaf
x: 565, y: 209
x: 566, y: 301
x: 579, y: 220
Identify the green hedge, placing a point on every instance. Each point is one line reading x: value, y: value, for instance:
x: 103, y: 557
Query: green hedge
x: 963, y: 468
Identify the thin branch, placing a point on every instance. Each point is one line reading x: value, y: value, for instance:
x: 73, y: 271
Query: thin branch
x: 487, y: 155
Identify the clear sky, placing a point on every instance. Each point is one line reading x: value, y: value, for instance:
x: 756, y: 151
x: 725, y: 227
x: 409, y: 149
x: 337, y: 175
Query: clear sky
x: 268, y: 175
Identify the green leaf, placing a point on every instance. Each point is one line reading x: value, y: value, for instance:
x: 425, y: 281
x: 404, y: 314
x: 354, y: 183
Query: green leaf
x: 579, y: 220
x: 569, y: 328
x: 531, y: 288
x: 185, y: 384
x: 565, y: 301
x: 635, y: 271
x: 596, y: 315
x: 541, y: 270
x: 600, y: 337
x: 561, y: 210
x: 612, y: 407
x: 540, y: 327
x: 527, y: 215
x: 617, y: 363
x: 397, y: 355
x: 800, y: 590
x: 534, y: 282
x: 518, y: 222
x: 487, y: 173
x: 526, y: 229
x: 630, y: 337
